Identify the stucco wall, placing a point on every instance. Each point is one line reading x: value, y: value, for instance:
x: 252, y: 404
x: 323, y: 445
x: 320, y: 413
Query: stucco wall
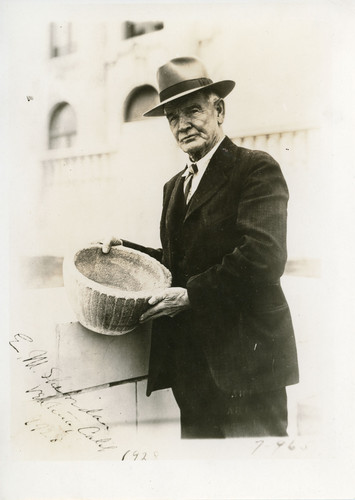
x: 279, y: 57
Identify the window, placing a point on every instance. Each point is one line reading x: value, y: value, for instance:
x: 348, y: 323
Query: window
x: 132, y: 29
x: 61, y: 39
x: 139, y: 101
x: 62, y: 127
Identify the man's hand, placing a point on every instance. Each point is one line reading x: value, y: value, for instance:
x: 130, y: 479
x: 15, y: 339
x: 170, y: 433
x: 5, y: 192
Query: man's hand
x: 168, y: 302
x: 108, y: 242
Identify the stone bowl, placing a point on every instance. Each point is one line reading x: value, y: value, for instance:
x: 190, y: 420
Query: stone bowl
x: 109, y: 292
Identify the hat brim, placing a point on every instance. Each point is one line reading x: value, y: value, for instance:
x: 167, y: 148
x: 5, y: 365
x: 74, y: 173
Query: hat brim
x: 222, y: 88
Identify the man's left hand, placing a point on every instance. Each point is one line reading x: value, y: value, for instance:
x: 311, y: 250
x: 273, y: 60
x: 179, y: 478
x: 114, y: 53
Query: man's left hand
x: 168, y: 302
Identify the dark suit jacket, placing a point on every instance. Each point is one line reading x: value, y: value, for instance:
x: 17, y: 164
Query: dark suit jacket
x: 233, y: 242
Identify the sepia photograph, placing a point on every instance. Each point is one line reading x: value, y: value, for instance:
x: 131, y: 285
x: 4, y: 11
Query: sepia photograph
x: 178, y: 194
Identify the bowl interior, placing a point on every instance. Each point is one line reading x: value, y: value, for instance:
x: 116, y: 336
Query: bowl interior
x: 122, y: 269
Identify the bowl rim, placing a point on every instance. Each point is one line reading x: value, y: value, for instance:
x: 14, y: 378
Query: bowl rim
x: 70, y: 268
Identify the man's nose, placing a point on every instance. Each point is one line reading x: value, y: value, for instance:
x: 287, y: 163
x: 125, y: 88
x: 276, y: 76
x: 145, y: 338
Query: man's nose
x: 184, y: 122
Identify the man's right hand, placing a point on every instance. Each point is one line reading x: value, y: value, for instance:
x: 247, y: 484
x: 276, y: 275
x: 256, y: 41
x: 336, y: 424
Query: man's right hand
x: 109, y: 242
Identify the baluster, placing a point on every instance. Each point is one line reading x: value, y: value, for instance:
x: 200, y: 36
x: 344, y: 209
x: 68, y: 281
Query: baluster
x: 97, y: 160
x: 300, y: 149
x: 273, y: 146
x: 64, y: 171
x: 260, y: 142
x: 104, y: 166
x: 82, y: 171
x: 287, y: 152
x: 248, y: 142
x: 56, y: 171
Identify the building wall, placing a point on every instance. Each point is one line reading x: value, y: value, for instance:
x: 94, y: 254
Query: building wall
x: 112, y: 180
x: 279, y: 63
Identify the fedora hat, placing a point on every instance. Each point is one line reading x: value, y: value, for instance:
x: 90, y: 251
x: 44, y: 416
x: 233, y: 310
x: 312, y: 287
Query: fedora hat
x: 182, y: 76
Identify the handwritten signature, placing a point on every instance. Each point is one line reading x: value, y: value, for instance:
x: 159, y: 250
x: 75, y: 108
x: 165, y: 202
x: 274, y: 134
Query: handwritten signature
x: 62, y: 415
x: 68, y: 415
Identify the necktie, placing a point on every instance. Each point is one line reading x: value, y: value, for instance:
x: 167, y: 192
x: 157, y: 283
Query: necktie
x: 192, y: 171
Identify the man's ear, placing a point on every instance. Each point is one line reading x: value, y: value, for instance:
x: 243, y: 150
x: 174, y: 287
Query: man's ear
x: 220, y: 108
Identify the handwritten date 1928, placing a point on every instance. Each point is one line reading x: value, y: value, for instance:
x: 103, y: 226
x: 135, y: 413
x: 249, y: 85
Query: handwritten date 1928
x: 138, y: 455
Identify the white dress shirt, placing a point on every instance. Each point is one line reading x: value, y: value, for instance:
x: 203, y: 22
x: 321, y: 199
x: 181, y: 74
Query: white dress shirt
x: 201, y: 165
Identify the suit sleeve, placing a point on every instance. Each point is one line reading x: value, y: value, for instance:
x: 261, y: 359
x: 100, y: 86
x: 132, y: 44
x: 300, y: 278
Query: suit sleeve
x: 259, y: 256
x: 156, y: 253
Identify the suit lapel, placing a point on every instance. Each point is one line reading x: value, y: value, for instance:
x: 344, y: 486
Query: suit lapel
x: 216, y: 175
x: 174, y: 202
x: 214, y: 178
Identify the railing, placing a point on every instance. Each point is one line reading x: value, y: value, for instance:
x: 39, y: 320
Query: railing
x: 292, y: 149
x: 71, y: 167
x: 104, y: 182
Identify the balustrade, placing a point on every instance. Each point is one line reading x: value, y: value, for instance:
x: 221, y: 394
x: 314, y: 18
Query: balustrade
x: 69, y: 169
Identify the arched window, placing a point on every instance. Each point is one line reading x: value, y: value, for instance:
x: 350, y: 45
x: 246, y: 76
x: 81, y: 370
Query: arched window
x: 139, y: 101
x: 62, y: 127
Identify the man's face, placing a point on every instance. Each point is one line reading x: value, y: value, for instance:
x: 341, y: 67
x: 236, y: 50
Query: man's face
x: 195, y: 122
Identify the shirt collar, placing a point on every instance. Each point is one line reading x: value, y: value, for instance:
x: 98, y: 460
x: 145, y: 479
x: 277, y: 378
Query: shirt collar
x: 204, y: 161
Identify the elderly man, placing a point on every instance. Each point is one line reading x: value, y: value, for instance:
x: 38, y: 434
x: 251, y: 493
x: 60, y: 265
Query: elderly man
x: 222, y: 335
